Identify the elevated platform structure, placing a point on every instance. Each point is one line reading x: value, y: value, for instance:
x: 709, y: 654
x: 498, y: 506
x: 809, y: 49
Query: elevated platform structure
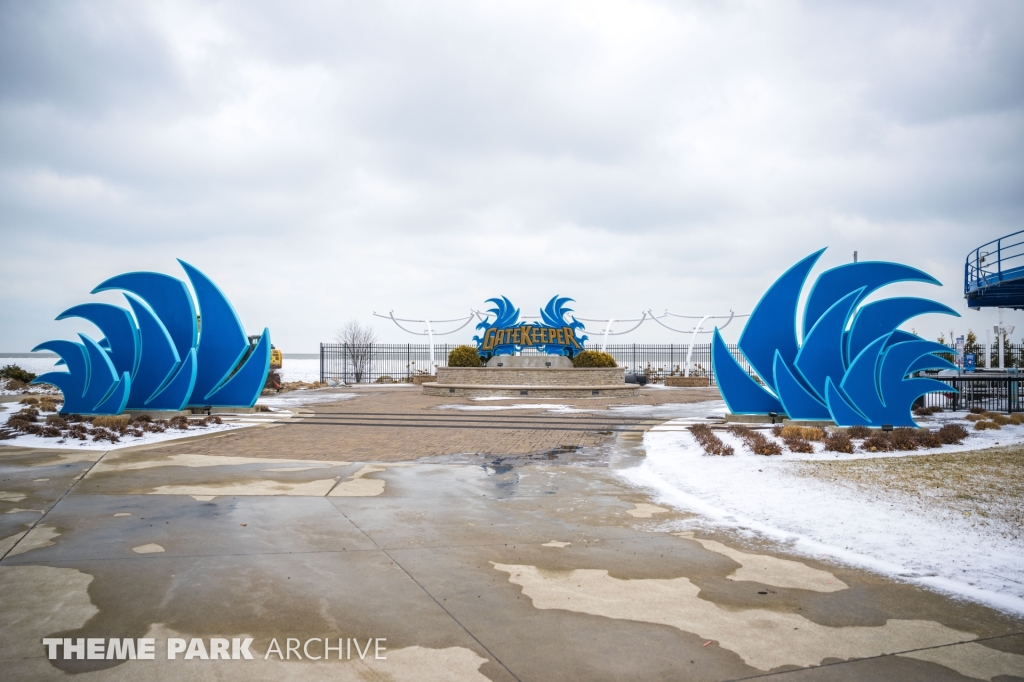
x: 994, y: 274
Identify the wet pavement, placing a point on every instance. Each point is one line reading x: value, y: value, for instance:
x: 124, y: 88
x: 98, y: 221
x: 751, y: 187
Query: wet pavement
x: 537, y: 565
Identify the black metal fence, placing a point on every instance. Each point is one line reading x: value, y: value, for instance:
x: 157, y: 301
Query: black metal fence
x: 400, y: 362
x: 993, y: 394
x: 1013, y: 355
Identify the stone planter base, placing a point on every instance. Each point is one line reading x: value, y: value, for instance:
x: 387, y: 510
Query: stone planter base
x: 538, y: 382
x: 688, y: 382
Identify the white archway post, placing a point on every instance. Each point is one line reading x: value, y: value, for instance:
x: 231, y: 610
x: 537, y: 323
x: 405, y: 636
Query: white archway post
x: 607, y: 330
x: 693, y: 340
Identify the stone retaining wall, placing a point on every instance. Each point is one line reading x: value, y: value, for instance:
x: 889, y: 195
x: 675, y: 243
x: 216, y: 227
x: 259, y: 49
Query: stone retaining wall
x: 596, y: 377
x: 687, y: 382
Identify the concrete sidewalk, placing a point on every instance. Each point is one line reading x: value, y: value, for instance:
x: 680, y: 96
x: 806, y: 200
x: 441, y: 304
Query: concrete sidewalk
x: 471, y: 567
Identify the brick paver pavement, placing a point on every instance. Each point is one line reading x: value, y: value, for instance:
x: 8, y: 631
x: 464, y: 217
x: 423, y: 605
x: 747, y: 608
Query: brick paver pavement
x: 396, y: 424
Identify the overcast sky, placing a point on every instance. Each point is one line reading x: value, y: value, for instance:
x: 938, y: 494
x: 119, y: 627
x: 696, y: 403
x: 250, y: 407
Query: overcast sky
x: 324, y: 160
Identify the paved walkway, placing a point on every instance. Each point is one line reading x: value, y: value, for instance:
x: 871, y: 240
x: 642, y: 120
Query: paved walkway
x: 397, y: 424
x: 468, y: 566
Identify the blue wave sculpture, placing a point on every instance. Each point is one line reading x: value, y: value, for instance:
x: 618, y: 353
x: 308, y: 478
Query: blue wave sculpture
x: 155, y: 357
x: 853, y: 365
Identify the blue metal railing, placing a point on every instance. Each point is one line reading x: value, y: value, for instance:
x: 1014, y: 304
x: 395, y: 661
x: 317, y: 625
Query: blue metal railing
x: 995, y: 262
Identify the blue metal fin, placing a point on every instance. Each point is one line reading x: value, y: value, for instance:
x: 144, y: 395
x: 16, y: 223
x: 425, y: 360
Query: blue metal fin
x: 242, y: 389
x: 222, y: 341
x: 843, y: 413
x: 821, y: 355
x: 772, y: 325
x: 882, y: 317
x: 929, y: 361
x: 174, y: 395
x: 102, y: 376
x: 837, y: 282
x: 159, y: 359
x: 899, y: 393
x: 118, y: 398
x: 861, y: 382
x: 742, y: 394
x: 796, y: 400
x: 73, y: 382
x: 121, y: 335
x: 169, y: 299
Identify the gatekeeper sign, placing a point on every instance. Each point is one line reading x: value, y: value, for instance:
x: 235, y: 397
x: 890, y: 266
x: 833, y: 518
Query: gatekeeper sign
x: 506, y: 334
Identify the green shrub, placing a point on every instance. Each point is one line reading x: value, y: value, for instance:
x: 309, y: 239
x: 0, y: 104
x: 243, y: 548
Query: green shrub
x: 593, y: 358
x: 464, y: 356
x: 16, y: 373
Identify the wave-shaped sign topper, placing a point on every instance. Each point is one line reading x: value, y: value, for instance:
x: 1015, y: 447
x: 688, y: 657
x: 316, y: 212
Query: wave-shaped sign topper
x: 854, y: 366
x: 558, y: 334
x: 159, y: 359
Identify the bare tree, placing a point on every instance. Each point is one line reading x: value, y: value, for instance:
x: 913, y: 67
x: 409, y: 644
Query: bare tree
x: 357, y: 340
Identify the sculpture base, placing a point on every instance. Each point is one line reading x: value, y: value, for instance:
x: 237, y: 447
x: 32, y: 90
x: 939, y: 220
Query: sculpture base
x: 538, y: 382
x: 687, y: 382
x: 753, y: 419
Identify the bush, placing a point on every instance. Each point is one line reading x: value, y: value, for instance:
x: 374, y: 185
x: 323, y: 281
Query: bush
x: 979, y: 426
x: 1000, y: 419
x: 711, y: 443
x: 878, y: 441
x: 977, y: 410
x: 178, y: 422
x: 925, y: 411
x: 464, y: 356
x: 974, y: 417
x: 799, y: 445
x: 16, y: 373
x: 593, y: 358
x: 838, y: 441
x: 929, y: 439
x: 756, y: 441
x: 904, y: 438
x: 952, y: 434
x: 858, y: 432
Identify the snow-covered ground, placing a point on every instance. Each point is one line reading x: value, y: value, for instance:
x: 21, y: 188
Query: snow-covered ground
x: 300, y: 369
x: 33, y: 441
x: 769, y: 497
x: 284, y: 401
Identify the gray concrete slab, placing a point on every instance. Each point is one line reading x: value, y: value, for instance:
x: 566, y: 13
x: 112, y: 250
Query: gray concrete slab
x: 470, y: 571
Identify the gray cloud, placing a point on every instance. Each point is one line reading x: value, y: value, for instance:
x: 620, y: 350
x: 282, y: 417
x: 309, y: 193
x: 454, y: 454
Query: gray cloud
x: 323, y: 160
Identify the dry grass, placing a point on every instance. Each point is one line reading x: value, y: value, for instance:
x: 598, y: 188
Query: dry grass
x: 111, y: 421
x: 986, y: 485
x: 802, y: 432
